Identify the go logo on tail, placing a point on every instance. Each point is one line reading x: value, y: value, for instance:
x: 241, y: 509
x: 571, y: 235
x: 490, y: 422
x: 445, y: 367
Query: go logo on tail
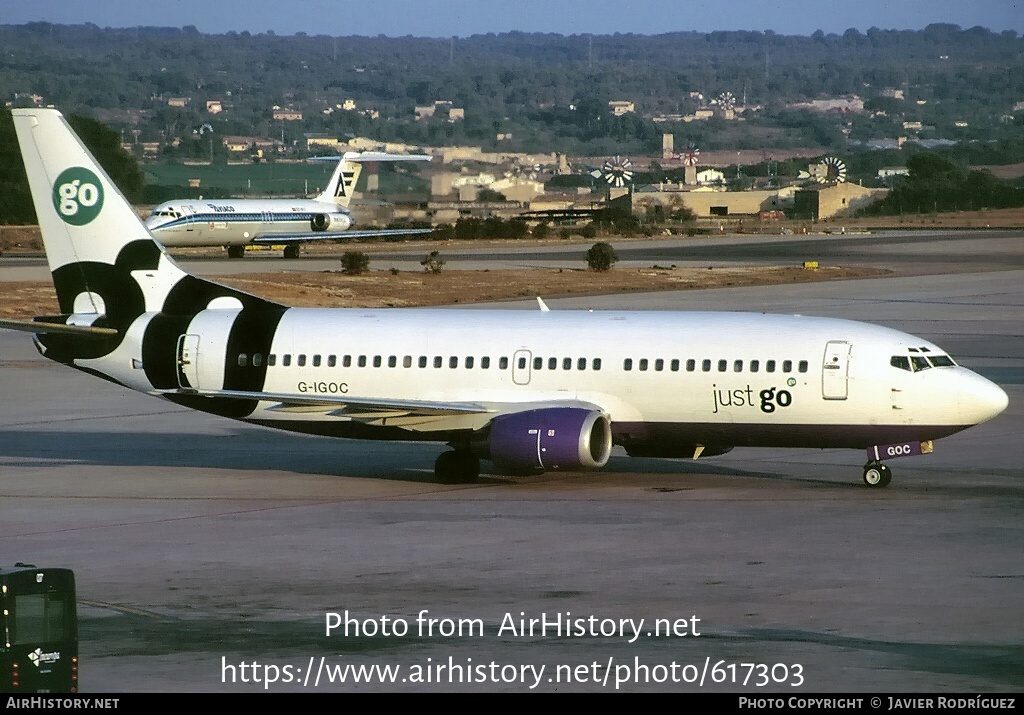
x: 77, y: 196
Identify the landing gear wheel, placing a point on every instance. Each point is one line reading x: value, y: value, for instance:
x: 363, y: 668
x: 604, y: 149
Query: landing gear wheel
x: 236, y: 251
x: 877, y: 475
x: 457, y: 468
x: 291, y: 251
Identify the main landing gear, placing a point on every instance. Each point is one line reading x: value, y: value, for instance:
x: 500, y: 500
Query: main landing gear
x: 877, y: 475
x: 291, y: 250
x: 236, y: 251
x: 457, y: 467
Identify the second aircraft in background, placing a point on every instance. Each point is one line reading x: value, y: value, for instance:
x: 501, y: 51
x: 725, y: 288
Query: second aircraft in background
x: 237, y: 223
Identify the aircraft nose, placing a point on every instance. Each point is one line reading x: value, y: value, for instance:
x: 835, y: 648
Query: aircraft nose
x: 981, y: 399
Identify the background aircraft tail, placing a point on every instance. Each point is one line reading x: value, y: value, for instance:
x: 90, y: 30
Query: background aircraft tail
x: 350, y: 165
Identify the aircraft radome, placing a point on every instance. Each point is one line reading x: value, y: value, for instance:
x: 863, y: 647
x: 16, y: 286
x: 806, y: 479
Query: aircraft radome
x: 528, y: 390
x: 237, y: 223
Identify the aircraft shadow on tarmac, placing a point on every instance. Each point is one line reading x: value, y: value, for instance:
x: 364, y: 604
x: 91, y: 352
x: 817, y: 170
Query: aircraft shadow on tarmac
x: 282, y: 452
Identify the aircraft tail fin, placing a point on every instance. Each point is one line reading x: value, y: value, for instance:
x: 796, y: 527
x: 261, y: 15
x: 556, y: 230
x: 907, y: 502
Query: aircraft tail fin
x: 350, y: 165
x: 103, y: 259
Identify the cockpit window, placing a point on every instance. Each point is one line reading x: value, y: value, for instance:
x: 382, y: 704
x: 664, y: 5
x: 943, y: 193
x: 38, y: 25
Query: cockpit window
x: 919, y: 363
x: 941, y: 361
x: 900, y: 361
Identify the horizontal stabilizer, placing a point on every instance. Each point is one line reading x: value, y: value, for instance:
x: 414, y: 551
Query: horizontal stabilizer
x: 31, y: 326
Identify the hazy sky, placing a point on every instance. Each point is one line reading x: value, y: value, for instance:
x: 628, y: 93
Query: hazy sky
x: 445, y: 18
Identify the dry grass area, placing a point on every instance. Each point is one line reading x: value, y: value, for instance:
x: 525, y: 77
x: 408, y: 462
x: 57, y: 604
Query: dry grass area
x: 379, y: 289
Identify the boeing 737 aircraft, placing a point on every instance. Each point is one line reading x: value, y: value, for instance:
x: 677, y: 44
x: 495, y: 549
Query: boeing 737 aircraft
x: 529, y: 391
x: 237, y: 223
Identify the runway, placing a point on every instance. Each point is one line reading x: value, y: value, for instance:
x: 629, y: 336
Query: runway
x: 202, y: 543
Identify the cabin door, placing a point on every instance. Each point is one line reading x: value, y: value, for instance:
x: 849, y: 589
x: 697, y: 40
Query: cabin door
x: 835, y: 370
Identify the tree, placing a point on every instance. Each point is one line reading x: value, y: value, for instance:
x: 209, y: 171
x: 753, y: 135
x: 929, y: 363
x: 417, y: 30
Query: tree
x: 354, y: 263
x: 601, y: 257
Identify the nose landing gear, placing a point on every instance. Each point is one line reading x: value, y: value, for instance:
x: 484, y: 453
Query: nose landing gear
x: 877, y: 475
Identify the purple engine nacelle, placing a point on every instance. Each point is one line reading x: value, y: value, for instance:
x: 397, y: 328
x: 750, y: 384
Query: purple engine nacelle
x: 550, y: 438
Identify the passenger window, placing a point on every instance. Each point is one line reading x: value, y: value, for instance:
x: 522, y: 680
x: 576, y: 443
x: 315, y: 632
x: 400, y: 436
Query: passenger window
x: 723, y: 365
x: 643, y: 363
x: 422, y: 362
x: 485, y: 363
x: 243, y: 360
x: 755, y: 365
x: 769, y: 366
x: 453, y: 362
x: 503, y: 363
x: 332, y: 360
x: 659, y: 365
x: 302, y: 361
x: 316, y: 361
x: 737, y: 366
x: 627, y: 364
x: 392, y: 361
x: 538, y: 363
x: 597, y: 363
x: 802, y: 366
x: 438, y: 361
x: 376, y: 360
x: 787, y: 366
x: 346, y: 361
x: 552, y: 363
x: 522, y: 363
x: 469, y: 363
x: 407, y: 361
x: 675, y: 366
x: 691, y: 365
x: 900, y: 361
x: 362, y: 361
x: 705, y: 365
x: 257, y: 360
x: 271, y: 359
x: 567, y: 363
x: 286, y: 359
x: 581, y: 364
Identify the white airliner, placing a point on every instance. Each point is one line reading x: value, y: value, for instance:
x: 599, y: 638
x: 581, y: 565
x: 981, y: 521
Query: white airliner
x: 528, y: 390
x: 237, y: 223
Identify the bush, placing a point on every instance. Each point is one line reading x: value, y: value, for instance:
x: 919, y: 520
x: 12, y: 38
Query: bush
x: 541, y: 230
x: 354, y: 263
x: 433, y: 262
x: 601, y: 257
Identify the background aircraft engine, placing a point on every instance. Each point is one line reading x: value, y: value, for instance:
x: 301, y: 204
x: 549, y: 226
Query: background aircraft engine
x: 324, y: 222
x: 550, y: 438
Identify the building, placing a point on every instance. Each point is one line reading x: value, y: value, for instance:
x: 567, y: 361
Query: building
x: 620, y: 107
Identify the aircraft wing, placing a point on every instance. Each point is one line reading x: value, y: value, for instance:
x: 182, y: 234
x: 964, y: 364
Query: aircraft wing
x: 342, y: 405
x: 382, y: 411
x: 302, y: 237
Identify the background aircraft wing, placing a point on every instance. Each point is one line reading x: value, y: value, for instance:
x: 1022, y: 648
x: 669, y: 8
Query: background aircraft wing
x: 302, y: 236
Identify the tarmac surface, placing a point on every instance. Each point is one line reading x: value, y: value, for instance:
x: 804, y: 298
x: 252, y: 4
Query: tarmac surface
x: 200, y: 543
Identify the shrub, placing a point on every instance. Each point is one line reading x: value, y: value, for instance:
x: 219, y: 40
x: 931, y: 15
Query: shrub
x: 601, y: 257
x: 433, y: 262
x: 354, y: 263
